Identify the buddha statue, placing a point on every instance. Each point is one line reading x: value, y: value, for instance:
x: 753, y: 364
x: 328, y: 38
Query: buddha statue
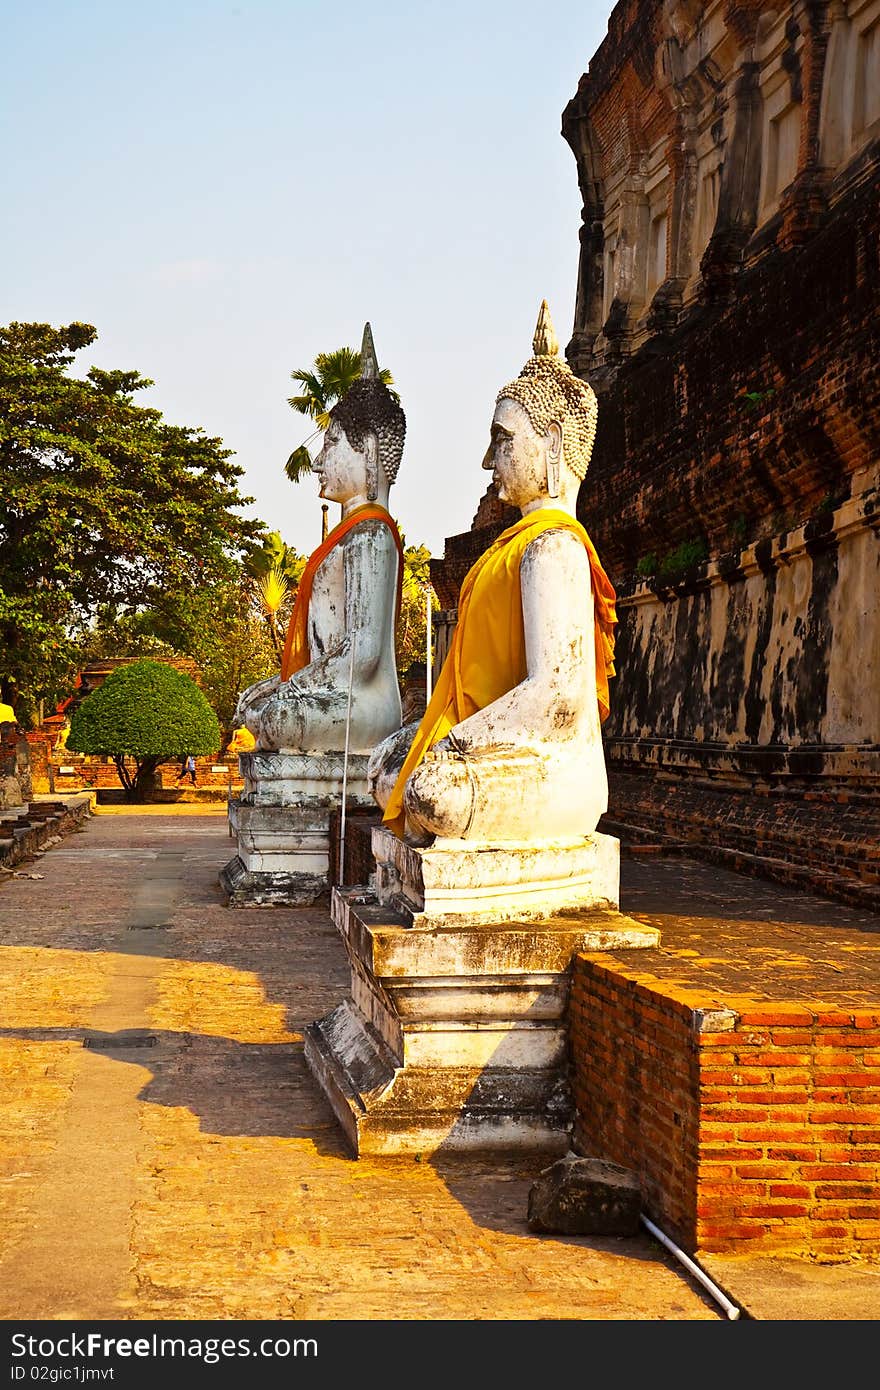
x: 489, y: 873
x: 312, y: 726
x: 340, y: 641
x: 510, y: 748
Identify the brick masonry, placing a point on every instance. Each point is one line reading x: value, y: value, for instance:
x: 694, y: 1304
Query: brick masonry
x: 66, y: 771
x: 826, y: 841
x: 753, y: 1127
x: 37, y: 826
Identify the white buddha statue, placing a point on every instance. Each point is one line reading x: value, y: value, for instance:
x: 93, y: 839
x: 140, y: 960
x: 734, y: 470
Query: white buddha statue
x: 455, y: 1031
x: 510, y: 747
x: 341, y: 633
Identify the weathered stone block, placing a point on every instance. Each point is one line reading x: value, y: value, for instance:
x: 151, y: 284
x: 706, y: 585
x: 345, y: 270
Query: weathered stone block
x: 454, y: 1037
x: 494, y: 883
x: 281, y: 824
x: 585, y: 1197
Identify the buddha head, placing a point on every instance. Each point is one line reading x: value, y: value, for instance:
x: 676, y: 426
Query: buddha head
x: 363, y: 443
x: 543, y: 428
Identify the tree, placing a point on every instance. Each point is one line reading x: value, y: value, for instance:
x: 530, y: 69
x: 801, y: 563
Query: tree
x: 412, y: 625
x: 324, y: 383
x: 147, y: 713
x: 102, y: 504
x: 234, y: 629
x: 276, y: 570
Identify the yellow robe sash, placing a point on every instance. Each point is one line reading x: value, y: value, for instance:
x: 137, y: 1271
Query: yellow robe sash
x: 487, y: 655
x: 296, y: 647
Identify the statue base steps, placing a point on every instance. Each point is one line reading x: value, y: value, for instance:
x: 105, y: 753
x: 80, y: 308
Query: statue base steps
x: 281, y: 825
x: 454, y: 1035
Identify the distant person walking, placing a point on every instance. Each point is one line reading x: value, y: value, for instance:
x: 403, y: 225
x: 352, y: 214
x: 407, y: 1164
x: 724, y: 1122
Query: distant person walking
x: 187, y: 768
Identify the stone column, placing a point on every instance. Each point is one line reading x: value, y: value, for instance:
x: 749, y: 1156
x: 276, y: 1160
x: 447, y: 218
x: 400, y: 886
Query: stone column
x: 630, y: 264
x: 589, y: 292
x: 740, y: 187
x: 806, y: 199
x: 831, y: 130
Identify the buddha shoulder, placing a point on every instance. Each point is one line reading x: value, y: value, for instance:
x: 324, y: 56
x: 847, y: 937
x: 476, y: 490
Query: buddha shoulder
x: 556, y: 546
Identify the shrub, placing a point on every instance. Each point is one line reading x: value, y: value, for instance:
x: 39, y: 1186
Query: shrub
x: 146, y: 712
x: 689, y: 553
x: 647, y: 565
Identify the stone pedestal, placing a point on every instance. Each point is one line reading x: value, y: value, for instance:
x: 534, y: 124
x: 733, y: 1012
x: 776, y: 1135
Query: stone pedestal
x: 281, y: 824
x: 496, y: 882
x: 454, y: 1035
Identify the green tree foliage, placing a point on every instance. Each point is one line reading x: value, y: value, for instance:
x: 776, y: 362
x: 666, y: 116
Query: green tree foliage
x: 275, y: 570
x: 232, y: 632
x: 103, y: 505
x: 324, y: 383
x: 235, y: 650
x: 145, y: 714
x: 413, y: 624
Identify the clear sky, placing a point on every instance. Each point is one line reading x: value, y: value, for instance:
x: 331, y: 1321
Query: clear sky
x: 226, y: 189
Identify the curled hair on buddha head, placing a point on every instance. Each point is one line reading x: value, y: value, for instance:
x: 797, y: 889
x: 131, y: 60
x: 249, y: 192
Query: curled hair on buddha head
x: 368, y: 407
x: 548, y: 390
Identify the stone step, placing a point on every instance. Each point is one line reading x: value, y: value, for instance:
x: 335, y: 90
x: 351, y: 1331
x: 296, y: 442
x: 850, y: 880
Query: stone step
x: 775, y: 843
x: 385, y: 1109
x: 855, y: 865
x: 848, y: 889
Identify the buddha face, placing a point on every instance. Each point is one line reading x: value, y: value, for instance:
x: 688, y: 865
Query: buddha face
x: 519, y: 457
x: 343, y: 470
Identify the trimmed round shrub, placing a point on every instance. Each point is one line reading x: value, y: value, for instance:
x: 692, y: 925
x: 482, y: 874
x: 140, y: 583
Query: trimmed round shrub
x: 147, y: 712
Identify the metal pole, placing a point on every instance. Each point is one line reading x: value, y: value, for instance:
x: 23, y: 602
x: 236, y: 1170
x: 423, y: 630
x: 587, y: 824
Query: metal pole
x: 428, y: 643
x: 341, y: 874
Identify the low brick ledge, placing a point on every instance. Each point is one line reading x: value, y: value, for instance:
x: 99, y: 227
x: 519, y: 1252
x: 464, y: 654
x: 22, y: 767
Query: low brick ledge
x: 754, y: 1125
x: 27, y: 831
x: 827, y: 843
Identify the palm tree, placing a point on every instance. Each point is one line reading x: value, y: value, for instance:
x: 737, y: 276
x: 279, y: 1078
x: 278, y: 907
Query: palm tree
x: 324, y: 383
x: 275, y: 570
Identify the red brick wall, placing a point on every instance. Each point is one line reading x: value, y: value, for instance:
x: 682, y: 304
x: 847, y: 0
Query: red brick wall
x: 682, y: 455
x: 100, y: 773
x: 826, y: 842
x: 763, y: 1136
x: 636, y: 1086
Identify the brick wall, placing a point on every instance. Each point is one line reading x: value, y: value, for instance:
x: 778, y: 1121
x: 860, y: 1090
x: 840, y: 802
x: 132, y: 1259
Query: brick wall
x: 827, y: 842
x: 100, y: 773
x: 752, y: 1127
x: 636, y: 1085
x: 359, y: 862
x: 683, y: 454
x: 16, y: 785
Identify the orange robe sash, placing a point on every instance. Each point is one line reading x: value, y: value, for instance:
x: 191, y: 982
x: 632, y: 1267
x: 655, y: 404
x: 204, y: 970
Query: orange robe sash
x: 296, y: 647
x: 487, y: 655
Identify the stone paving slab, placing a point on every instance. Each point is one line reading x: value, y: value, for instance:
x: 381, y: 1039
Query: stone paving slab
x: 184, y: 1163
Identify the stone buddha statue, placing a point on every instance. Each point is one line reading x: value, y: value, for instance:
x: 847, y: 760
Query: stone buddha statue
x: 341, y: 634
x: 336, y: 696
x: 489, y: 874
x: 510, y: 748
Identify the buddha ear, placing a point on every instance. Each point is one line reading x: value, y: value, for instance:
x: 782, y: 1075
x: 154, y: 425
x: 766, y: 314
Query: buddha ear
x: 371, y: 458
x: 554, y: 457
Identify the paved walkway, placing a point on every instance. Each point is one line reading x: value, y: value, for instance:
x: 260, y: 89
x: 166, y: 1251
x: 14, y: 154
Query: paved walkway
x: 164, y: 1152
x: 185, y: 1165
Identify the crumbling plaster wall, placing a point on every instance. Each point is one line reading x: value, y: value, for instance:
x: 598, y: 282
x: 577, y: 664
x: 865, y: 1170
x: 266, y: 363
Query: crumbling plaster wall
x: 727, y: 313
